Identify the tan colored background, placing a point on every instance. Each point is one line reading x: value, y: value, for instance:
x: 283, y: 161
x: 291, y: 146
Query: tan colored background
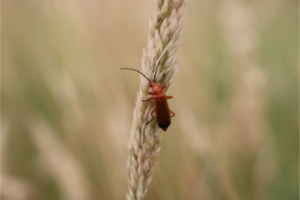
x: 67, y: 107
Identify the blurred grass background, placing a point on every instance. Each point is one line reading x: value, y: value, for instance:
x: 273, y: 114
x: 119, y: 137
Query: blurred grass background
x: 67, y: 107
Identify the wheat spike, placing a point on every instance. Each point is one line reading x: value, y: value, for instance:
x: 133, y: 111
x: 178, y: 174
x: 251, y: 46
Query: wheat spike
x: 165, y: 30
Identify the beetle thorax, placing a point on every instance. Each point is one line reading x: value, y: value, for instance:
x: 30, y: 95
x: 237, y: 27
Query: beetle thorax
x: 156, y: 88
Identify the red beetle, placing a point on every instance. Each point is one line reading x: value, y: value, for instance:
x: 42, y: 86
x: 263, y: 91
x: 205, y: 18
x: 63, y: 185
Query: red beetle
x: 163, y: 113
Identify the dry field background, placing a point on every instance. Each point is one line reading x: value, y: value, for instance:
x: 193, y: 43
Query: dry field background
x: 67, y: 107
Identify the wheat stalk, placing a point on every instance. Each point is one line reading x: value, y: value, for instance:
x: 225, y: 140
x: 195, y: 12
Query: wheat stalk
x: 143, y: 145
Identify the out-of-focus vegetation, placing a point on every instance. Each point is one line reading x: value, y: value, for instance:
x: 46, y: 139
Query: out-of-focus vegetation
x: 67, y: 107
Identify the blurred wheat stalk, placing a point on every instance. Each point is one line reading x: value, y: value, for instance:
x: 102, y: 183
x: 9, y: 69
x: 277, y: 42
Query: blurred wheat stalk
x: 143, y: 145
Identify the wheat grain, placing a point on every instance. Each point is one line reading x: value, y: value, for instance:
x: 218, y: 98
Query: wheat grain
x: 143, y: 145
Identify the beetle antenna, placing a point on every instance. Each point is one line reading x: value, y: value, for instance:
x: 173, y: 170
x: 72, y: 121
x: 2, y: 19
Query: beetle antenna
x: 158, y: 64
x: 138, y: 72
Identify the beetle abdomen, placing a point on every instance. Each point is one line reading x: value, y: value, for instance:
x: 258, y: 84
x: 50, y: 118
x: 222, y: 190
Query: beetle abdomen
x: 162, y: 111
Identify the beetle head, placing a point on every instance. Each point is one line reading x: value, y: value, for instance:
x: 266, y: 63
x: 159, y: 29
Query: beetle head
x: 156, y: 88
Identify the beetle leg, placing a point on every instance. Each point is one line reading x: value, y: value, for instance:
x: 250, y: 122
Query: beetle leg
x: 148, y: 99
x: 152, y: 116
x: 150, y: 93
x: 172, y: 113
x: 169, y: 97
x: 164, y: 87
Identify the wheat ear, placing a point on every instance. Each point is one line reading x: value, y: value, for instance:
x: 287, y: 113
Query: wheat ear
x: 143, y: 145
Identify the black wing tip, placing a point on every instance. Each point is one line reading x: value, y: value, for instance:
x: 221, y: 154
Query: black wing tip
x: 164, y: 127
